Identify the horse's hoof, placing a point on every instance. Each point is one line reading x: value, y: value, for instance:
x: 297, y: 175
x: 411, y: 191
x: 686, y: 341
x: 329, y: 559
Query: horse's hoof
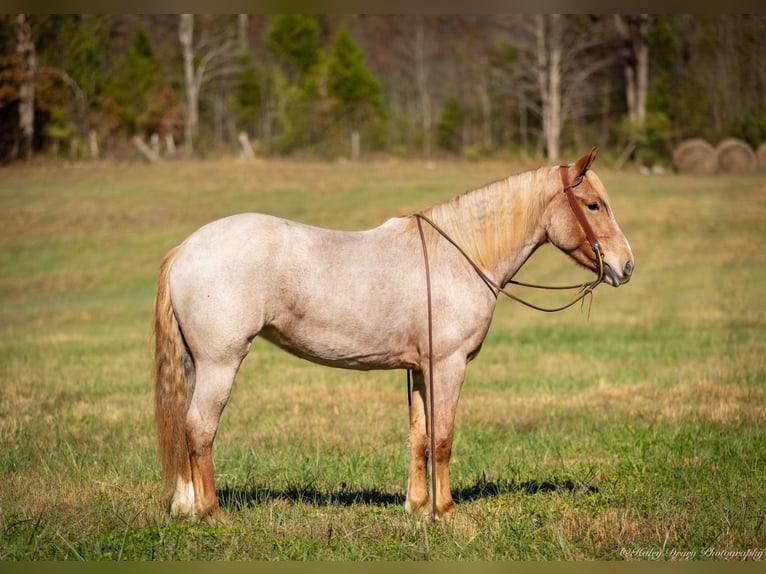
x: 213, y: 516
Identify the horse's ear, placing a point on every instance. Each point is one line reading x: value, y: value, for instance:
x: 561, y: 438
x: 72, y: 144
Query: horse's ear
x: 583, y: 164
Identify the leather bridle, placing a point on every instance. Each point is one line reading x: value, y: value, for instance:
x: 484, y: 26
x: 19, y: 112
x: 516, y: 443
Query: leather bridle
x: 578, y: 212
x: 585, y: 290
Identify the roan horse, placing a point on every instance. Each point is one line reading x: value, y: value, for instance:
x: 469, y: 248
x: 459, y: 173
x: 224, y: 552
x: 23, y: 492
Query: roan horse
x: 359, y: 300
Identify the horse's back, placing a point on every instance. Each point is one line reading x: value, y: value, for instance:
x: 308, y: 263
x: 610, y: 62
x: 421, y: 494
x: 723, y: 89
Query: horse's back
x: 320, y: 293
x: 247, y: 245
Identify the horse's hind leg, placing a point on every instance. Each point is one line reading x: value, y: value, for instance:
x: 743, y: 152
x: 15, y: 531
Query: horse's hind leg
x: 211, y: 393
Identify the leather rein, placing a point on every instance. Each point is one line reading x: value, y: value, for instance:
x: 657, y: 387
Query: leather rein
x: 585, y: 290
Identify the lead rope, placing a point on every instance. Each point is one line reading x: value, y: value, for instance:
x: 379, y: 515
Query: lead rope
x: 430, y: 399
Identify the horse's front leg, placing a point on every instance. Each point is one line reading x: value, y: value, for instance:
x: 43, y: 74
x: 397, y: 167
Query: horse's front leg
x: 417, y: 487
x: 448, y: 379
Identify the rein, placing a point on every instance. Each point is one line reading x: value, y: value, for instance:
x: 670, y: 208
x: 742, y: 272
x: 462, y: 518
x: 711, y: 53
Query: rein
x: 585, y: 290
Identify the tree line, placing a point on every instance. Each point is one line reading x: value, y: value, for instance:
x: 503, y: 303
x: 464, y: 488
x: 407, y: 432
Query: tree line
x: 330, y: 86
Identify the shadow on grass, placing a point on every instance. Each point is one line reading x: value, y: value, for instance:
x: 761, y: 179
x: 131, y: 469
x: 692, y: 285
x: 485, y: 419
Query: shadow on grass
x: 483, y: 488
x: 245, y: 497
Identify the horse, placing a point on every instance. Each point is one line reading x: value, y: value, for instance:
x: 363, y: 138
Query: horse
x: 416, y: 293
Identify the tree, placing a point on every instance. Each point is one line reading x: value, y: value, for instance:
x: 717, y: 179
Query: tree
x: 548, y: 33
x: 422, y: 69
x: 247, y: 93
x: 47, y: 95
x: 25, y: 48
x: 355, y: 91
x: 215, y: 54
x: 135, y: 76
x: 634, y: 35
x: 89, y: 46
x: 548, y: 82
x: 193, y: 79
x: 301, y: 115
x: 559, y: 59
x: 704, y: 78
x: 294, y: 38
x: 448, y: 130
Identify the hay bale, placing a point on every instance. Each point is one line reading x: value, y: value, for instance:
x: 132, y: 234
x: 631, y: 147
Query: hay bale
x: 761, y: 153
x: 694, y: 156
x: 735, y: 156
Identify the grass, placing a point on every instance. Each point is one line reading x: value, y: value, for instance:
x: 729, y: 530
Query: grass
x: 634, y: 433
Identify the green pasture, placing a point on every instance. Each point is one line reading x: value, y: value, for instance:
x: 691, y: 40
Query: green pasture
x: 632, y: 428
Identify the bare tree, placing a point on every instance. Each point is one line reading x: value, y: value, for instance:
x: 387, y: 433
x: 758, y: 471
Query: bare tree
x: 191, y: 117
x: 634, y: 33
x: 211, y: 54
x: 486, y: 114
x: 242, y: 25
x: 559, y: 60
x: 548, y: 34
x: 471, y: 75
x: 25, y: 48
x: 421, y: 75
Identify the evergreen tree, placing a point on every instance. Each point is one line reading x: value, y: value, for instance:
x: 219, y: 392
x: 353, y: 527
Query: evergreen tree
x: 88, y: 45
x: 247, y: 94
x: 449, y: 128
x: 294, y: 38
x: 356, y: 92
x: 136, y: 76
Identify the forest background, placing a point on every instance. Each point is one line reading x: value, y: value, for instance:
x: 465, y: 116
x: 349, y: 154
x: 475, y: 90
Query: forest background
x: 359, y: 86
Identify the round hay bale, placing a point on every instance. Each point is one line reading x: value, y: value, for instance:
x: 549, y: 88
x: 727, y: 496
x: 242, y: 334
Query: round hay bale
x: 694, y: 156
x: 735, y: 156
x: 761, y: 153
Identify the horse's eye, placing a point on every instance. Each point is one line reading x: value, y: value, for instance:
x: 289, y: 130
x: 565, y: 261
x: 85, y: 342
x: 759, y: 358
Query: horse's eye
x: 593, y: 206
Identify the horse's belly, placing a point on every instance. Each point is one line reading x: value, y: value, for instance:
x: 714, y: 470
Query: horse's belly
x: 342, y: 348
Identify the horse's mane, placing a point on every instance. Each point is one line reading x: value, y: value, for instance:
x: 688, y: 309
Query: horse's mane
x: 491, y: 220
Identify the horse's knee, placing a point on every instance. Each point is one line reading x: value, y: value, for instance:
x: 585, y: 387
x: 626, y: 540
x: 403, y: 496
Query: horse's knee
x: 444, y: 451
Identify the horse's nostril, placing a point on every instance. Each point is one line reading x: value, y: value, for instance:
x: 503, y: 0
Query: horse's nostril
x: 628, y: 269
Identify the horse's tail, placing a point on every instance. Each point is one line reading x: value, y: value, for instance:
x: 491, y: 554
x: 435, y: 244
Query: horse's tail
x: 174, y: 380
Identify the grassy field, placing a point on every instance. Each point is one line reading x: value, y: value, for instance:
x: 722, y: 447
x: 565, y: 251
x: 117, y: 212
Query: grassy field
x: 637, y: 433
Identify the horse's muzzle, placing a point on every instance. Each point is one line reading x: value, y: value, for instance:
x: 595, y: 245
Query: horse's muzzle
x: 616, y: 279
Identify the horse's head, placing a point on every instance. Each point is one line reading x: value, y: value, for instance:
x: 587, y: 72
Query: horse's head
x: 569, y: 234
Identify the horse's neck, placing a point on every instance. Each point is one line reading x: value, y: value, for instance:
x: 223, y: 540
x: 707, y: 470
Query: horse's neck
x: 499, y: 225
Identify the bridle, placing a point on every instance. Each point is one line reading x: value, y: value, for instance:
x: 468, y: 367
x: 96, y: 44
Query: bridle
x: 585, y: 290
x: 589, y: 234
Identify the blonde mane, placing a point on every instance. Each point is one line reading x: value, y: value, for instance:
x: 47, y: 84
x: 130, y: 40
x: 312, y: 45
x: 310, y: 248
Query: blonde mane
x: 495, y: 219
